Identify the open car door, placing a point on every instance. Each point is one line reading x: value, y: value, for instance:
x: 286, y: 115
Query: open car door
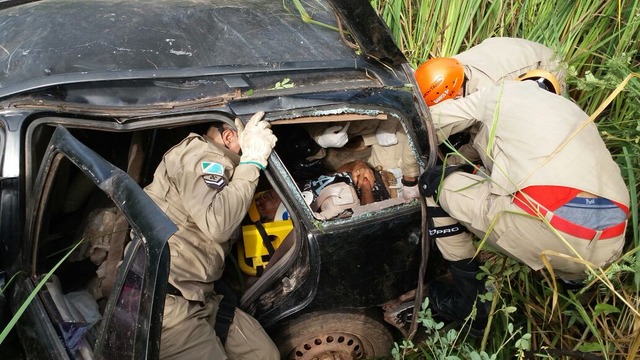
x: 105, y: 242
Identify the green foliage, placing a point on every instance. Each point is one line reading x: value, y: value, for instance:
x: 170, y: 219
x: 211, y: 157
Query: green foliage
x: 32, y: 295
x: 304, y: 15
x: 284, y: 84
x: 450, y: 344
x: 522, y: 325
x: 599, y: 41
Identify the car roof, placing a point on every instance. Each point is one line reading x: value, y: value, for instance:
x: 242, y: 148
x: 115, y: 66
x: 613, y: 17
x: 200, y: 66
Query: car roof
x: 43, y: 42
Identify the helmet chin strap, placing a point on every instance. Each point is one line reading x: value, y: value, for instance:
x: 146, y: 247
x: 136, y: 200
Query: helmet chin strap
x: 464, y: 85
x: 543, y: 85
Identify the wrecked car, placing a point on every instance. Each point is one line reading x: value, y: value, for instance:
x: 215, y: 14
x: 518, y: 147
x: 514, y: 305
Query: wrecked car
x: 93, y: 93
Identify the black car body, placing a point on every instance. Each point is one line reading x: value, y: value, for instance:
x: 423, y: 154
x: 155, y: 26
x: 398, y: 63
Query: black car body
x: 92, y: 93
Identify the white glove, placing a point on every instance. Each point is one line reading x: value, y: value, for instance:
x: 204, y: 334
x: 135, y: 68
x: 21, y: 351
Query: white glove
x: 386, y: 133
x: 256, y: 140
x: 410, y: 192
x: 333, y: 136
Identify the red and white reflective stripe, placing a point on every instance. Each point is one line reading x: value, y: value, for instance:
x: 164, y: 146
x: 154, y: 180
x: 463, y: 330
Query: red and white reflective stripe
x: 566, y: 226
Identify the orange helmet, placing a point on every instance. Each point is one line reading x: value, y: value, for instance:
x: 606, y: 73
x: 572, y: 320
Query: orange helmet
x: 545, y: 80
x: 439, y: 79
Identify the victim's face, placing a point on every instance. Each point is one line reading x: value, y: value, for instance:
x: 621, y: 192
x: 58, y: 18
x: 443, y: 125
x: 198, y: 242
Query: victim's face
x: 267, y: 205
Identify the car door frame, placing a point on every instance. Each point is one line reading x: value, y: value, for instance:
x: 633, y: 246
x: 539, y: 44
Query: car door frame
x: 144, y: 217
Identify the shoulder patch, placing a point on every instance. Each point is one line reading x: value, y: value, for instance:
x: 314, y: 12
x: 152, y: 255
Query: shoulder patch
x: 213, y: 175
x: 213, y: 168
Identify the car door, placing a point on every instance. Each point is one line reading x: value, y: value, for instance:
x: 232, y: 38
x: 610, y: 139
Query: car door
x: 57, y: 326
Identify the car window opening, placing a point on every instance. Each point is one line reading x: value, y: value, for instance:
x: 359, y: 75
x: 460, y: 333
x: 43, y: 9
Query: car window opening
x: 326, y: 176
x: 347, y: 168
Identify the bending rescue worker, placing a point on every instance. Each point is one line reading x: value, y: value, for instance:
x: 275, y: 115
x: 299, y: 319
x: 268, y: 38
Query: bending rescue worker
x: 206, y: 187
x: 546, y: 170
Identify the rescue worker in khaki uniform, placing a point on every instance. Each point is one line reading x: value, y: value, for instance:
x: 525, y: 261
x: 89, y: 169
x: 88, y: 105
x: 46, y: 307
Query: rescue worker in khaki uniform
x: 547, y: 170
x: 206, y: 187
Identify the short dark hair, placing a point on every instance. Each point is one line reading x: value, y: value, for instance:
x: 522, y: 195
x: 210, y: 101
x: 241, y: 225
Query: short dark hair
x: 221, y: 126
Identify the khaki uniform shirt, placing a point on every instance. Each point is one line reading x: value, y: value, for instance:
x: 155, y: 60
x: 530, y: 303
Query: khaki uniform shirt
x: 206, y: 215
x: 529, y: 136
x: 501, y: 58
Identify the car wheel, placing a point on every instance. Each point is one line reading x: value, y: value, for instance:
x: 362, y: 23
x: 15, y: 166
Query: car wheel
x: 334, y: 335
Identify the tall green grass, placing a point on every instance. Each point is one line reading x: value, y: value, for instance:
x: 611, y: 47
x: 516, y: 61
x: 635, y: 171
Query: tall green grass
x: 600, y: 42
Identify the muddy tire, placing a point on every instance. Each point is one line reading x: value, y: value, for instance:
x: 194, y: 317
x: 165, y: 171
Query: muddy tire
x: 334, y: 335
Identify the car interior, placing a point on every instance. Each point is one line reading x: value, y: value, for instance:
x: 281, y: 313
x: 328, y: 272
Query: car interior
x: 78, y: 216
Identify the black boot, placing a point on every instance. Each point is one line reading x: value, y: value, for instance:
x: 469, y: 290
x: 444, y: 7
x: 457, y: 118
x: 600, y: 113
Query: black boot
x: 455, y: 304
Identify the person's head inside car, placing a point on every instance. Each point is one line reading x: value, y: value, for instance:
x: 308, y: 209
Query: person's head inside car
x: 269, y: 207
x: 224, y: 134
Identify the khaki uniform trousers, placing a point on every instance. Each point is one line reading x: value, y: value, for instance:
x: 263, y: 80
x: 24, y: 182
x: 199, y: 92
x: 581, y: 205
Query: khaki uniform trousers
x: 466, y: 198
x: 188, y: 333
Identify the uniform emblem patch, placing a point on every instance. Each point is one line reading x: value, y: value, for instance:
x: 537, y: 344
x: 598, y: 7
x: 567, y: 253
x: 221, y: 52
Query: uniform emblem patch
x: 213, y: 168
x: 213, y: 175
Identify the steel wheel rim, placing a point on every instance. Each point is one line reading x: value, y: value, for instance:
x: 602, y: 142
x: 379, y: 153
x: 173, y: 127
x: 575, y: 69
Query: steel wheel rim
x: 334, y: 345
